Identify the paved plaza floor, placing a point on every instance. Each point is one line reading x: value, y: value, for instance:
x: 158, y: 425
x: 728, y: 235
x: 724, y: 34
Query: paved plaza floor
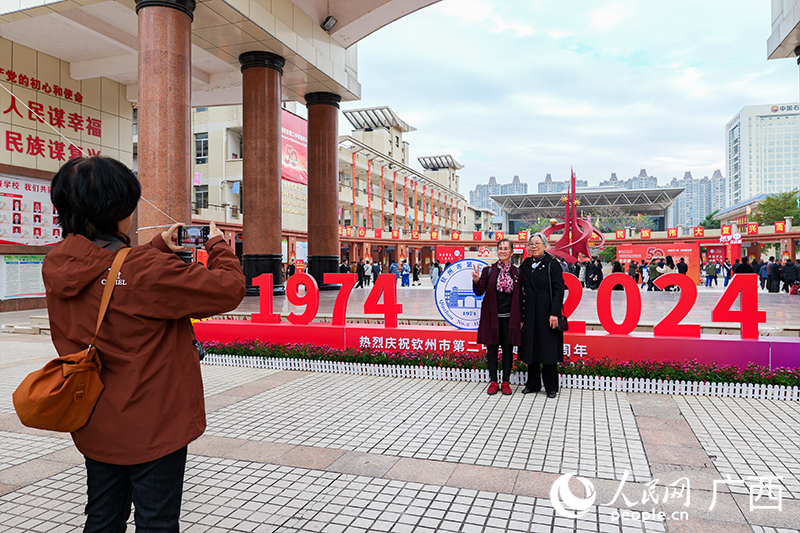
x: 291, y: 451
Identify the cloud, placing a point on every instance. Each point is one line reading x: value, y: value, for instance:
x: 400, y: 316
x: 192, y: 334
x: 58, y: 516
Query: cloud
x: 530, y: 87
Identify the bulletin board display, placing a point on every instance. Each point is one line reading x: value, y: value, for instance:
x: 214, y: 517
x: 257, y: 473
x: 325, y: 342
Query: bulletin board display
x: 26, y: 214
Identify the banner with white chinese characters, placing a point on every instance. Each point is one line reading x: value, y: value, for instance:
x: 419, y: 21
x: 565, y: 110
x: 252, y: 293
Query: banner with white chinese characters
x: 26, y: 214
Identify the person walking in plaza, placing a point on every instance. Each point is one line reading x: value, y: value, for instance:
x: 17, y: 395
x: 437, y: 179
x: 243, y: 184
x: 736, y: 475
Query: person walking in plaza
x: 367, y: 272
x: 711, y: 271
x: 633, y: 270
x: 682, y: 267
x: 500, y: 322
x: 405, y: 273
x: 763, y: 274
x: 645, y: 274
x: 617, y: 268
x: 717, y: 271
x: 746, y: 268
x: 542, y: 296
x: 152, y: 407
x: 789, y: 274
x: 344, y: 268
x: 291, y: 269
x: 589, y: 276
x: 360, y: 274
x: 416, y: 272
x: 393, y: 269
x: 580, y: 271
x: 434, y: 273
x: 376, y: 271
x: 667, y: 268
x: 653, y: 274
x: 775, y: 276
x: 726, y: 271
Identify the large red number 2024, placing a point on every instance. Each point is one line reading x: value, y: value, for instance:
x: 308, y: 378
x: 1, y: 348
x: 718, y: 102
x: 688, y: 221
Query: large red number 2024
x: 385, y: 285
x: 747, y: 315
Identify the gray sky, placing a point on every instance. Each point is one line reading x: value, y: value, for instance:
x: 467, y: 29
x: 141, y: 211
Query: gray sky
x: 531, y: 87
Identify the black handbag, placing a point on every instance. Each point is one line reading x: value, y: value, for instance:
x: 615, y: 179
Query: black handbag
x: 563, y: 324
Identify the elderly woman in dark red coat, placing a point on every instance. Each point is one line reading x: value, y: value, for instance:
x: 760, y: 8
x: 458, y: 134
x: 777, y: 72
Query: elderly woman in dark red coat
x: 500, y: 325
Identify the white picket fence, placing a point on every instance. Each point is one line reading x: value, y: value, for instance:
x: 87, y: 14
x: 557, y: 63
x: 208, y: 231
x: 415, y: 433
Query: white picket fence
x: 599, y: 383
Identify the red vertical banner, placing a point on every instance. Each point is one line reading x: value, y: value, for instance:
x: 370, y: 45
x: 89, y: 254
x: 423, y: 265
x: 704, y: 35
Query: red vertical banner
x: 439, y: 209
x: 383, y: 196
x: 452, y: 217
x: 353, y: 186
x: 432, y: 200
x: 424, y: 211
x: 394, y: 201
x: 458, y: 215
x: 416, y: 210
x: 369, y: 193
x: 405, y: 194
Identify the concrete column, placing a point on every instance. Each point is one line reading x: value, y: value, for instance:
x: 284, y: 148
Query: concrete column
x: 261, y: 167
x: 323, y: 184
x: 165, y: 165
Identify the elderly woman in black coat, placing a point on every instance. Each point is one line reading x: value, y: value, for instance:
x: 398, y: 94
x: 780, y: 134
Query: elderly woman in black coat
x: 500, y: 323
x: 542, y: 295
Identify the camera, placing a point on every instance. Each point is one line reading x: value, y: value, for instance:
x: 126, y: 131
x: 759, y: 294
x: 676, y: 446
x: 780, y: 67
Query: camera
x: 193, y: 236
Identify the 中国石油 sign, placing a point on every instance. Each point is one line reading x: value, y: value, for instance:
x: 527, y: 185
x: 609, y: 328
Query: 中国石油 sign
x: 672, y: 337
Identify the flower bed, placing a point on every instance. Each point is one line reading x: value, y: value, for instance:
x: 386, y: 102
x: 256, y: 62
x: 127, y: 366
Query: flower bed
x: 678, y: 371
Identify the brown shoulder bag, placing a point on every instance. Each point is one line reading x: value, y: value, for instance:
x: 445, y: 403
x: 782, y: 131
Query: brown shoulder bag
x: 61, y: 395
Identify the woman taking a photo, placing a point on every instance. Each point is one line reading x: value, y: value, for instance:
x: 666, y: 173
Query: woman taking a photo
x: 499, y: 326
x: 152, y: 406
x: 543, y: 295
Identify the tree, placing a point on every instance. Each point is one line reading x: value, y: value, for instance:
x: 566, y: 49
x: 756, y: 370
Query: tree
x: 710, y: 223
x: 609, y: 254
x: 776, y: 206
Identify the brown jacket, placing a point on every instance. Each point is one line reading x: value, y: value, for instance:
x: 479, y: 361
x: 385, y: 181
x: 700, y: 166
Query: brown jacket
x: 152, y: 403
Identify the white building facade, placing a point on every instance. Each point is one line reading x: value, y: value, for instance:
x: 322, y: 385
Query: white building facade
x: 762, y: 151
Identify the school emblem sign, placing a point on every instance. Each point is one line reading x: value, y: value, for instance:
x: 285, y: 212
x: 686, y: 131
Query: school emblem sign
x: 455, y: 300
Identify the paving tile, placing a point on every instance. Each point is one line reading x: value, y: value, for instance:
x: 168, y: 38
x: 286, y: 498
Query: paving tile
x: 707, y: 526
x: 310, y: 457
x: 363, y: 464
x: 421, y: 471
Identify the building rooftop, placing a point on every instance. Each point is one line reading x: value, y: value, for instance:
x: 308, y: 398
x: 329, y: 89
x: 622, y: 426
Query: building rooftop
x: 437, y: 162
x: 373, y: 118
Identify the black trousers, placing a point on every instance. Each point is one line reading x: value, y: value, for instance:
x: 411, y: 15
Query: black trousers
x: 538, y: 373
x: 508, y: 355
x: 154, y: 487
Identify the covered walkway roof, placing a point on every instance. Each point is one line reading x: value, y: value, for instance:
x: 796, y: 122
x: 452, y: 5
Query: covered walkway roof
x: 533, y: 205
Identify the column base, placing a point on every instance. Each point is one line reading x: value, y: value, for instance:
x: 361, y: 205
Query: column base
x: 319, y: 265
x: 256, y: 264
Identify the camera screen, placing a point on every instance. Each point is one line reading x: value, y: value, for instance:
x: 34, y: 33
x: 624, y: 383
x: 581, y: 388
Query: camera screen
x: 193, y: 236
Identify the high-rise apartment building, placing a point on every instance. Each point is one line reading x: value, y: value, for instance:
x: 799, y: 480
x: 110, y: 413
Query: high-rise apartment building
x: 548, y: 185
x: 762, y: 152
x: 700, y: 198
x: 642, y: 181
x: 481, y: 196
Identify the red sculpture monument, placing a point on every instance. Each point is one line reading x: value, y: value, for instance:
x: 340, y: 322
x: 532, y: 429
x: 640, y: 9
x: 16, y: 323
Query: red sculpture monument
x: 577, y: 232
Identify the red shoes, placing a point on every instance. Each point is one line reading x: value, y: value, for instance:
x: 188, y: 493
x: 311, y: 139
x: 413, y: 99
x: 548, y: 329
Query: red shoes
x: 494, y: 387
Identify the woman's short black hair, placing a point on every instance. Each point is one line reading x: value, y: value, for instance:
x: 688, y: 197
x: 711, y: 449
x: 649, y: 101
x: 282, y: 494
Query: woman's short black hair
x: 92, y: 194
